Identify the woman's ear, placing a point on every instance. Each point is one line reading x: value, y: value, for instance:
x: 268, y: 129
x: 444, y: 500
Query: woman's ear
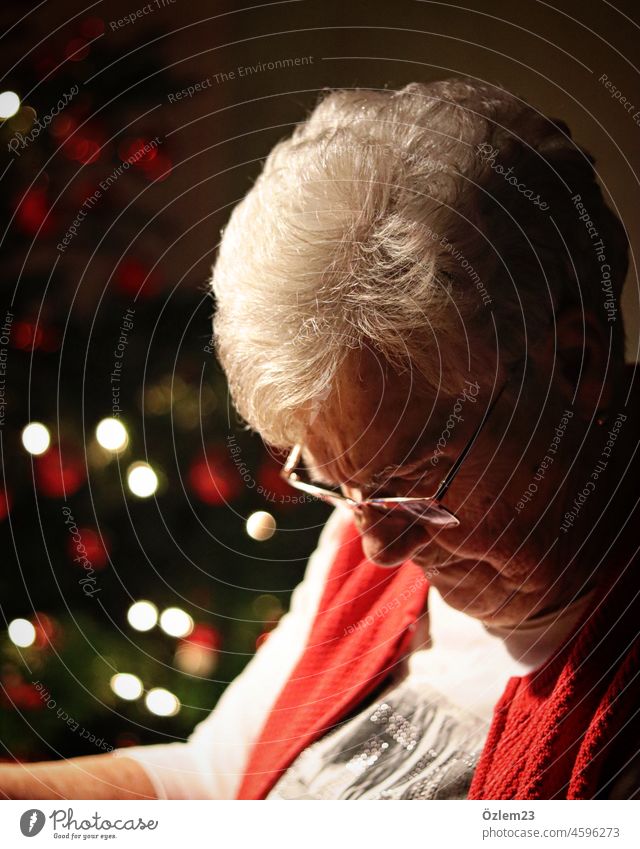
x: 583, y: 359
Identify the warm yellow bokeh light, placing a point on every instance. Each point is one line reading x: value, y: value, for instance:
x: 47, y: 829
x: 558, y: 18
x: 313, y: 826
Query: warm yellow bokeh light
x: 22, y: 633
x: 126, y: 686
x: 142, y: 480
x: 162, y: 702
x: 142, y: 615
x: 112, y: 435
x: 9, y: 104
x: 261, y: 525
x: 176, y: 622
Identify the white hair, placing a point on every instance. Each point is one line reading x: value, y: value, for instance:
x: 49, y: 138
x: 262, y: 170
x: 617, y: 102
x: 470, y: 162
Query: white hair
x: 384, y: 222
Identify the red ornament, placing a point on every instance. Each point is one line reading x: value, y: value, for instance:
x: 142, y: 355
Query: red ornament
x: 145, y: 155
x: 95, y: 549
x: 33, y: 213
x: 26, y: 335
x: 76, y: 50
x: 92, y: 27
x: 29, y: 336
x: 197, y: 654
x: 63, y: 125
x: 204, y: 636
x: 137, y: 150
x: 135, y: 279
x: 21, y: 695
x: 90, y: 153
x: 156, y: 169
x: 58, y: 475
x: 46, y: 630
x: 81, y: 144
x: 273, y: 487
x: 5, y: 504
x: 45, y: 62
x: 81, y: 149
x: 214, y: 479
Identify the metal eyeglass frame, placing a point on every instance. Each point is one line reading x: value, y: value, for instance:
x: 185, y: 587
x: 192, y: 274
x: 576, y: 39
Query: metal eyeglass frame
x: 423, y: 507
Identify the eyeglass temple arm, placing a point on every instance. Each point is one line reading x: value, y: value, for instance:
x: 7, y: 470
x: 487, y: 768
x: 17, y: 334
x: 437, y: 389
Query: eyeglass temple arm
x: 446, y: 482
x: 292, y: 460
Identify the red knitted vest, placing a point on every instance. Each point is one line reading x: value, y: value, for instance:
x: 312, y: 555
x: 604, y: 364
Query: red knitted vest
x: 552, y: 730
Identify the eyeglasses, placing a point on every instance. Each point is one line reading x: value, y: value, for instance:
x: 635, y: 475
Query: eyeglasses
x: 427, y: 508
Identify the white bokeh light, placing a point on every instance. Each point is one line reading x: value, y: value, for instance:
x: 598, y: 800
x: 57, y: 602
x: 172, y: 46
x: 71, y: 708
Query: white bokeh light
x: 22, y: 633
x: 112, y: 435
x: 9, y: 104
x: 142, y: 615
x: 142, y: 480
x: 261, y: 525
x: 126, y: 686
x: 36, y: 438
x: 162, y: 702
x: 176, y: 622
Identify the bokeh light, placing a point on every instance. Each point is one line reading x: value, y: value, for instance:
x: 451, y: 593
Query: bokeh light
x: 126, y: 686
x: 261, y: 525
x: 22, y: 633
x: 142, y: 615
x: 112, y: 435
x: 162, y: 702
x: 176, y: 622
x: 36, y: 438
x: 9, y: 104
x: 142, y: 480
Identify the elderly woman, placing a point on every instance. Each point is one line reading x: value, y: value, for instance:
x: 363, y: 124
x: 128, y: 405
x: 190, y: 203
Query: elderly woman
x: 419, y: 299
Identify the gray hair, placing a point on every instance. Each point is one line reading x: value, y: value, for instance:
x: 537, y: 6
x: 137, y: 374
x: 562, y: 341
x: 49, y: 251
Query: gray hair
x: 416, y: 223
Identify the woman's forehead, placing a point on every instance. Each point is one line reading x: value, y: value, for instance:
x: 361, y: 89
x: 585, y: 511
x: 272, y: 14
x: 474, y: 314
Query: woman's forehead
x: 373, y: 419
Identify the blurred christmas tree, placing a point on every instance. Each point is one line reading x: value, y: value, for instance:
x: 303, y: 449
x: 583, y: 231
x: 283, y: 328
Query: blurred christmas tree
x: 132, y: 588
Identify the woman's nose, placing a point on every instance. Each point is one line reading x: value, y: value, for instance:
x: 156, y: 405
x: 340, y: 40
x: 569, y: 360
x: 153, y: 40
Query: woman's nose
x: 387, y: 539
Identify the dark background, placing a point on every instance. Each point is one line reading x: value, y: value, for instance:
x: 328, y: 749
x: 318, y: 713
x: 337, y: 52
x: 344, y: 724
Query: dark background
x: 148, y: 245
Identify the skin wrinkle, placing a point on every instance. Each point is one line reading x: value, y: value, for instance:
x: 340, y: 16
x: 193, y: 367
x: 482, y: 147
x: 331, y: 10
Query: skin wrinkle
x: 492, y: 566
x: 363, y: 363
